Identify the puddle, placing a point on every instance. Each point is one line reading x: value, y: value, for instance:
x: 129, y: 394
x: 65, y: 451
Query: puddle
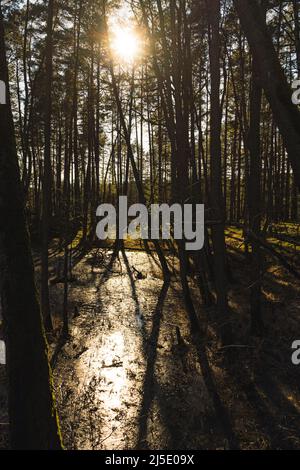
x: 121, y: 381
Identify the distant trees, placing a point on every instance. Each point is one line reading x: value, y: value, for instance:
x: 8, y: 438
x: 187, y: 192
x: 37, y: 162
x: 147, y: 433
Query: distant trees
x: 205, y: 115
x: 272, y: 79
x: 33, y: 419
x: 83, y: 106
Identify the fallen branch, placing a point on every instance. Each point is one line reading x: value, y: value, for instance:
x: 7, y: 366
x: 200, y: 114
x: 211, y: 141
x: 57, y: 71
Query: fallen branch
x: 236, y: 346
x: 114, y: 364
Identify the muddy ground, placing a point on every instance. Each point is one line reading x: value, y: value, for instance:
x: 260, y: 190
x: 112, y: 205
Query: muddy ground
x: 126, y: 379
x: 129, y: 376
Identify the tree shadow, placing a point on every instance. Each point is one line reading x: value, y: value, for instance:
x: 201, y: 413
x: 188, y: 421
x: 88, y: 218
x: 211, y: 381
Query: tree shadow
x: 138, y: 312
x: 150, y: 349
x: 108, y: 270
x: 151, y: 387
x: 271, y: 408
x: 221, y: 411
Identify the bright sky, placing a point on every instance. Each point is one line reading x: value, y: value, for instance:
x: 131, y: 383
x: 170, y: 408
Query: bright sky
x: 126, y: 41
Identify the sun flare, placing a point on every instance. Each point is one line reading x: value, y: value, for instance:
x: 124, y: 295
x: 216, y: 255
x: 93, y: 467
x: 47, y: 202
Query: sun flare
x: 126, y: 44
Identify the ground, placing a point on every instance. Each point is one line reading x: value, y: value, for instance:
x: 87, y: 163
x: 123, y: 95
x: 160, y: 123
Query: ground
x: 129, y: 376
x: 122, y: 379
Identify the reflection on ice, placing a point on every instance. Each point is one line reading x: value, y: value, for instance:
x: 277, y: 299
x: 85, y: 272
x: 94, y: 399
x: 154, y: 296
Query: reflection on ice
x: 113, y: 372
x: 104, y: 363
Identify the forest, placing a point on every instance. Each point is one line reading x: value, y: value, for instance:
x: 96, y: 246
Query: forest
x: 142, y: 342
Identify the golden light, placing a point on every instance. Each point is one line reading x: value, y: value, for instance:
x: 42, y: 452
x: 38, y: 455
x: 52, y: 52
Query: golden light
x: 126, y: 44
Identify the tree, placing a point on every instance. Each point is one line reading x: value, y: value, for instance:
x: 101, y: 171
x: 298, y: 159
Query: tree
x: 217, y: 203
x: 254, y: 203
x: 46, y: 214
x: 33, y: 418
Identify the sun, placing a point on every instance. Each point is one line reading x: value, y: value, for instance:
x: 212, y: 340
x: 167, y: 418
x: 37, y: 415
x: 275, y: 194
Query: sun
x: 126, y: 44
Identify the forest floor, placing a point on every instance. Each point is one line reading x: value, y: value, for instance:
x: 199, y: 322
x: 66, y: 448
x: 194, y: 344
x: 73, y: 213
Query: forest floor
x: 129, y: 375
x: 122, y: 380
x: 125, y: 380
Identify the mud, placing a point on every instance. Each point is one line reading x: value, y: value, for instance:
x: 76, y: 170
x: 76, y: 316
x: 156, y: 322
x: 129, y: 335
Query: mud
x: 125, y: 379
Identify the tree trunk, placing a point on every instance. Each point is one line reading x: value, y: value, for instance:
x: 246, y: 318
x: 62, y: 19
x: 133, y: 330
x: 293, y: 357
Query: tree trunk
x: 217, y: 202
x: 47, y: 170
x: 254, y: 197
x: 33, y: 418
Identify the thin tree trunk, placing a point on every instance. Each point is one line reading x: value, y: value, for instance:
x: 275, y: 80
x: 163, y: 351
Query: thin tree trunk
x: 217, y: 202
x: 254, y: 197
x: 46, y: 213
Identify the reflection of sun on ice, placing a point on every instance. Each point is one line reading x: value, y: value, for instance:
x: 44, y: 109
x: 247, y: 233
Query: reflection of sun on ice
x: 105, y: 362
x: 112, y: 367
x: 125, y: 44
